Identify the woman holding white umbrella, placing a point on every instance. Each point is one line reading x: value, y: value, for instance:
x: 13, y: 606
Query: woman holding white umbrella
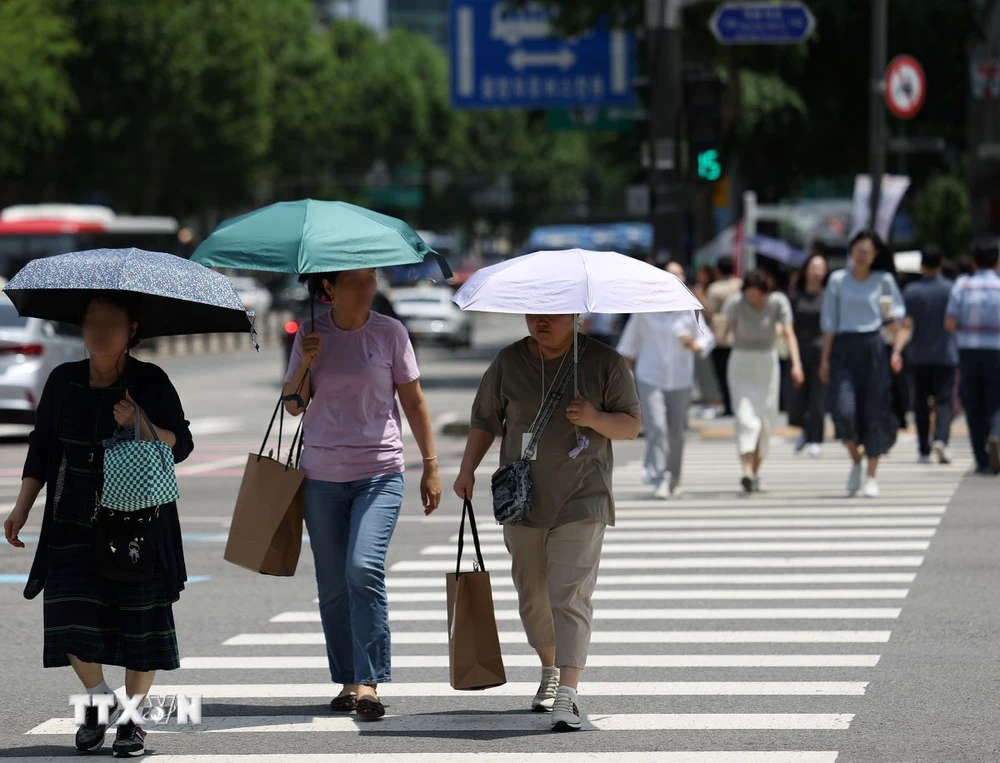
x: 555, y: 538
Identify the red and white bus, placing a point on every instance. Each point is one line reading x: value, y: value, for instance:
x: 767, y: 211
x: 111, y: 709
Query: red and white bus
x: 30, y: 231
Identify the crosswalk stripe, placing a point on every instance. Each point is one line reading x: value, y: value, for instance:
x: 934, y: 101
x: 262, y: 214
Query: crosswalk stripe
x: 531, y: 661
x: 657, y: 510
x: 799, y: 721
x: 694, y: 594
x: 617, y: 535
x: 609, y: 613
x: 467, y: 722
x: 426, y: 638
x: 443, y: 565
x: 725, y: 578
x: 527, y: 689
x: 612, y: 547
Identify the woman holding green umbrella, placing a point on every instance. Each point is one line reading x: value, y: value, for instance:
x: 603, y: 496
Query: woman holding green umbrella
x: 346, y: 369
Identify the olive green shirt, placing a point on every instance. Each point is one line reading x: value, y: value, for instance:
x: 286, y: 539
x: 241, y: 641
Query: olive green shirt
x: 564, y: 489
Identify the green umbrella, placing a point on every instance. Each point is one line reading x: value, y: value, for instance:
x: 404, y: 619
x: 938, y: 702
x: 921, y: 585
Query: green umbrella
x: 312, y: 236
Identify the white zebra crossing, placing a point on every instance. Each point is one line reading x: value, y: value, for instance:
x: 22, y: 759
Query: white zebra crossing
x: 745, y: 567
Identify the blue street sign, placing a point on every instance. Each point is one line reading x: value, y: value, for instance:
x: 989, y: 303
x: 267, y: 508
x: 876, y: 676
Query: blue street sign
x: 507, y: 56
x: 762, y: 23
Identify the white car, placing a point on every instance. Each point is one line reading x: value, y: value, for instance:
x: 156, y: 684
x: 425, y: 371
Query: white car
x: 253, y: 295
x: 431, y: 316
x: 29, y: 349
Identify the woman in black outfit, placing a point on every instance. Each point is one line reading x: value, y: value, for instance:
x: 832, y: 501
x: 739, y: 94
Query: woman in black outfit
x: 89, y: 621
x: 808, y: 404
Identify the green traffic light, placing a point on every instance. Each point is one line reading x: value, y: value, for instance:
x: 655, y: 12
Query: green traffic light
x: 709, y: 166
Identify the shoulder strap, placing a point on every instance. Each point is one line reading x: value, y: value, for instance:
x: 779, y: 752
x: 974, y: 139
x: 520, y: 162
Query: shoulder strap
x: 550, y: 407
x: 467, y: 509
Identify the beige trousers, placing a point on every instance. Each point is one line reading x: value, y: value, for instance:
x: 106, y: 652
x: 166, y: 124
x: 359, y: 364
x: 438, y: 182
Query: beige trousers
x: 555, y: 571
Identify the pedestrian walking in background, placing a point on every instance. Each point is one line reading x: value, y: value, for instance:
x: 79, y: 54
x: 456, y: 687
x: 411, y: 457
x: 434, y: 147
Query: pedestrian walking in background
x: 808, y: 403
x: 858, y: 301
x: 352, y: 363
x: 706, y: 382
x: 974, y: 313
x: 556, y: 551
x: 661, y: 348
x: 717, y: 294
x: 92, y: 620
x: 755, y: 319
x: 932, y: 354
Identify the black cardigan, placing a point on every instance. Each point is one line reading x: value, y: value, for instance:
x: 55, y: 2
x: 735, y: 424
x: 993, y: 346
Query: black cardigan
x: 152, y: 390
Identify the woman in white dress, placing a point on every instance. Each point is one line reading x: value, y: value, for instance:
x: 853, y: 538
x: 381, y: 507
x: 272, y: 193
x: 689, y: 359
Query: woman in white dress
x: 756, y: 318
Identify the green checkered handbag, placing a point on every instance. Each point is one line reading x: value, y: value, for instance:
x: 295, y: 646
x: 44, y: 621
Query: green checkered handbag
x: 139, y: 474
x: 138, y: 479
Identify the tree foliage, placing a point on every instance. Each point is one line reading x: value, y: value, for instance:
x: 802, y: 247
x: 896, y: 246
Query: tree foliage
x: 942, y: 214
x: 36, y: 97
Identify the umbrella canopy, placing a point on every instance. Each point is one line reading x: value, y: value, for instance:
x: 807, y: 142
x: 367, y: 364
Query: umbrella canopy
x: 312, y: 236
x: 177, y: 296
x: 575, y: 281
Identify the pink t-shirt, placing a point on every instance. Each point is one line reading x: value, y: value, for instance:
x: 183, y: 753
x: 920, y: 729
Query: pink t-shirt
x: 352, y: 429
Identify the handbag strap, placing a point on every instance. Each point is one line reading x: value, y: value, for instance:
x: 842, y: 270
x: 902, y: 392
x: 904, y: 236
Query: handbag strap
x: 467, y: 509
x: 550, y: 407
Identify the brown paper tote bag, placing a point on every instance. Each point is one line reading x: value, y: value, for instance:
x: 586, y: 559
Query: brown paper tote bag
x: 266, y: 532
x: 474, y: 656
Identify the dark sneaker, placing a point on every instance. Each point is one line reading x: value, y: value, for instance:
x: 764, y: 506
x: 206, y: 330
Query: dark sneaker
x: 993, y: 452
x: 130, y: 742
x: 90, y: 736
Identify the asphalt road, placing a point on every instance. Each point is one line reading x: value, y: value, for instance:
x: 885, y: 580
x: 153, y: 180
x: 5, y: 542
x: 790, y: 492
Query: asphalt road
x: 795, y: 625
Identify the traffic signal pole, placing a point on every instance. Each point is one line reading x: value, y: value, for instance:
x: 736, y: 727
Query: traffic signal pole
x: 876, y: 116
x: 667, y: 201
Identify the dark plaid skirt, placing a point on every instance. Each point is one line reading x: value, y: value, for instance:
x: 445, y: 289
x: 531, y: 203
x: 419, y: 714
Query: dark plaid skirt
x: 103, y: 621
x: 860, y: 393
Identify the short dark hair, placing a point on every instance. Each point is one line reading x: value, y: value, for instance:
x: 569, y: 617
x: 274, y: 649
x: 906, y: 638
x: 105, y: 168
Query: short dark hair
x: 884, y: 260
x: 986, y: 255
x: 129, y: 303
x: 931, y: 257
x: 726, y: 266
x: 758, y: 279
x: 314, y: 283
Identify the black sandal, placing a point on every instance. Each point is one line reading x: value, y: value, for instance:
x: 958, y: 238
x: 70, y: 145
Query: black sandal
x: 370, y: 709
x: 344, y: 703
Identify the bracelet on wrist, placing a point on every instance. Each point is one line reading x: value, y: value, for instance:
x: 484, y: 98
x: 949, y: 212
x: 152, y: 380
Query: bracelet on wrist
x: 430, y: 458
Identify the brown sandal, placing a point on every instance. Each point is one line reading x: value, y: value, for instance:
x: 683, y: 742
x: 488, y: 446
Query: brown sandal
x: 344, y: 703
x: 370, y: 709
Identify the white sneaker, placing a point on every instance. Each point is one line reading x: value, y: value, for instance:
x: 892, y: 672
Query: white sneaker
x: 942, y: 452
x: 545, y: 697
x: 871, y: 488
x: 815, y: 450
x: 662, y: 491
x: 924, y: 459
x: 565, y: 712
x: 854, y: 481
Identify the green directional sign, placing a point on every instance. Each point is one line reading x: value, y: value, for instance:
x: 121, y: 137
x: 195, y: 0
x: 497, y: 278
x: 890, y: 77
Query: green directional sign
x: 608, y: 118
x: 709, y: 165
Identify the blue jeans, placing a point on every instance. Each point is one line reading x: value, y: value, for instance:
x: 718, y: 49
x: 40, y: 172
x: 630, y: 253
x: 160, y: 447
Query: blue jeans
x: 350, y: 525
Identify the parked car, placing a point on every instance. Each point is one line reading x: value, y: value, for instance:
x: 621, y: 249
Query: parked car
x: 254, y: 296
x: 29, y: 349
x: 430, y: 315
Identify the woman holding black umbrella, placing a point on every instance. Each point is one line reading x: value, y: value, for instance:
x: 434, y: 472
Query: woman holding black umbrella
x: 91, y: 621
x: 108, y: 432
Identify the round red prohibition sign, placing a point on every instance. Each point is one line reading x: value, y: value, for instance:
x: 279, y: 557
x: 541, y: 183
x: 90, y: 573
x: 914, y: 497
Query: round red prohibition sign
x: 905, y: 86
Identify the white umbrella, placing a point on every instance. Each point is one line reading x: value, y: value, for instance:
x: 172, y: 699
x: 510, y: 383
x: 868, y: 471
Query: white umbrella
x: 572, y: 282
